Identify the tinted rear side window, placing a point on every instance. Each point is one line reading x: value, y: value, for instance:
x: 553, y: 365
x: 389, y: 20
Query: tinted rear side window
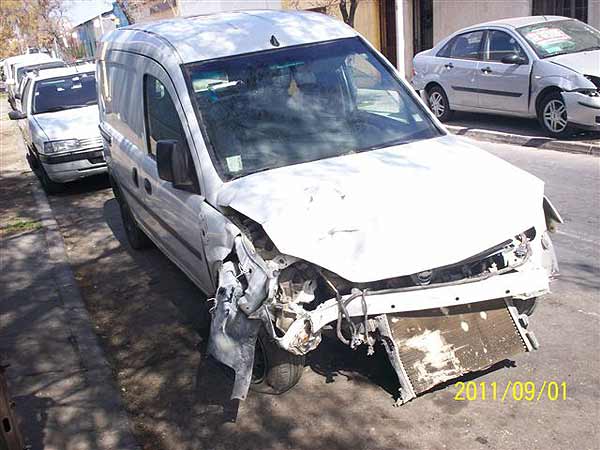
x: 464, y: 46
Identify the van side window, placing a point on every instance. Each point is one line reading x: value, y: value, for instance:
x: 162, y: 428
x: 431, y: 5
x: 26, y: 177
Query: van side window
x: 162, y: 120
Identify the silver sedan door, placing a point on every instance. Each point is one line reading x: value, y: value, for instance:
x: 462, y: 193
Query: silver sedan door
x: 504, y: 86
x: 458, y: 75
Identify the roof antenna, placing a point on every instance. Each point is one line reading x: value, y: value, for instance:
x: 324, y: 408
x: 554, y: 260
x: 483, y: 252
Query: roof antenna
x: 274, y: 41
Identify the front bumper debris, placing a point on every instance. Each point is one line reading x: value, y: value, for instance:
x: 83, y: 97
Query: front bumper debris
x: 519, y: 285
x: 429, y: 347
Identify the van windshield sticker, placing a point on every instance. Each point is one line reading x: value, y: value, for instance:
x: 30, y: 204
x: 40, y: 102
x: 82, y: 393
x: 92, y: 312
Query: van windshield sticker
x: 234, y: 163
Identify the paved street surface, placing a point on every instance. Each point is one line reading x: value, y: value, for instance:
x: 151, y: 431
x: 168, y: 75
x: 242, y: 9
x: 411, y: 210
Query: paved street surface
x: 64, y: 391
x: 153, y: 326
x: 515, y: 125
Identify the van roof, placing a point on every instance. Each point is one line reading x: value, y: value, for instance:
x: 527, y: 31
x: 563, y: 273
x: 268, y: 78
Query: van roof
x: 212, y: 36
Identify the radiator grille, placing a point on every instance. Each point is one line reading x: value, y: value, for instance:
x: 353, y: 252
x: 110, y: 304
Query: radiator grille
x: 438, y: 345
x: 90, y: 143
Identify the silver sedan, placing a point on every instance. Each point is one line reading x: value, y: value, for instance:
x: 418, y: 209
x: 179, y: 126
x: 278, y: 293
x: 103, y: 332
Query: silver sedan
x: 546, y: 67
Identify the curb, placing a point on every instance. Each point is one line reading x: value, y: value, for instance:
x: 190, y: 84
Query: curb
x: 96, y: 369
x: 539, y: 142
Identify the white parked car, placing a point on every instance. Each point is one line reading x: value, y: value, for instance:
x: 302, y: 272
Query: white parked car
x: 59, y: 122
x: 284, y: 165
x: 9, y: 72
x: 546, y: 67
x: 21, y: 71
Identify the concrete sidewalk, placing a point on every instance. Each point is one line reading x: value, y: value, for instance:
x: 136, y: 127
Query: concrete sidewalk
x: 58, y: 377
x: 522, y: 132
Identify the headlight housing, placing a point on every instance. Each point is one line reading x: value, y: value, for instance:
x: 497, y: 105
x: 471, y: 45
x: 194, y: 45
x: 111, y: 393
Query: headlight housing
x: 61, y: 146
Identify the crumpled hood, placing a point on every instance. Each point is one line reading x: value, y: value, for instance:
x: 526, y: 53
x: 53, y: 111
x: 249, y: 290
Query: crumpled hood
x: 390, y: 212
x: 586, y: 63
x: 75, y: 123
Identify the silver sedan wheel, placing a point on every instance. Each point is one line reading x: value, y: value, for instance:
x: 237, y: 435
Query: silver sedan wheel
x: 555, y: 116
x: 436, y: 103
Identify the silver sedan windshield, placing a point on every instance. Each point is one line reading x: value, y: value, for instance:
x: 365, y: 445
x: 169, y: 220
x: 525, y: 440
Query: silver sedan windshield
x: 560, y: 37
x: 288, y: 106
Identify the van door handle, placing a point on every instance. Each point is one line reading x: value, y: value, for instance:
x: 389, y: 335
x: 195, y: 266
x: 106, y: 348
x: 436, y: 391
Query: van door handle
x: 449, y: 66
x: 134, y: 176
x: 487, y: 69
x: 147, y: 186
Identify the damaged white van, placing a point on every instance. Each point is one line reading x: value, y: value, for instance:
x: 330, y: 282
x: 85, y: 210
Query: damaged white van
x: 286, y: 167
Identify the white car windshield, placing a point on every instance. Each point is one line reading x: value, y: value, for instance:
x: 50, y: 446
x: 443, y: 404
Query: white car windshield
x: 560, y: 37
x: 288, y: 106
x: 73, y: 91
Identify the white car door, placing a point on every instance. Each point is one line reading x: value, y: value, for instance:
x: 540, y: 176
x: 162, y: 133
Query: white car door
x: 175, y: 214
x: 458, y: 65
x: 25, y: 107
x: 502, y: 86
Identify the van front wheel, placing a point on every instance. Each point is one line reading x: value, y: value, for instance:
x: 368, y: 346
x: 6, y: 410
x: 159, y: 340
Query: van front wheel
x: 275, y: 370
x: 135, y: 236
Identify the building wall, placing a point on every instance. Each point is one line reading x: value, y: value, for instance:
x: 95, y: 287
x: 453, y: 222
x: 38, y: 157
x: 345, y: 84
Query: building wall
x: 409, y: 30
x: 594, y: 13
x: 195, y: 7
x: 452, y: 15
x: 366, y: 20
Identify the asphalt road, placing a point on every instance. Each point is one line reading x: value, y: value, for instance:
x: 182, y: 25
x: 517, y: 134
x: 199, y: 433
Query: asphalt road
x: 152, y: 326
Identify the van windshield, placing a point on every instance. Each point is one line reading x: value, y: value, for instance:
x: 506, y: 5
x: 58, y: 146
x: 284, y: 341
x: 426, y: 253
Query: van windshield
x: 73, y: 91
x: 288, y: 106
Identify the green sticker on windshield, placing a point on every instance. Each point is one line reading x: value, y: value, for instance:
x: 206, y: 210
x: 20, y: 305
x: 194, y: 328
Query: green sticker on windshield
x: 234, y: 163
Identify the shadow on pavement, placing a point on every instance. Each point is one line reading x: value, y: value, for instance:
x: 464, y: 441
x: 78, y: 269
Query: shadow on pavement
x: 514, y: 125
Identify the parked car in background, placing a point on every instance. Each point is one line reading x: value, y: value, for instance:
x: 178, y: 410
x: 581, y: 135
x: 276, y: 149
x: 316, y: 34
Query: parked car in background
x: 545, y: 67
x: 295, y: 177
x: 9, y: 63
x: 59, y: 122
x: 20, y: 71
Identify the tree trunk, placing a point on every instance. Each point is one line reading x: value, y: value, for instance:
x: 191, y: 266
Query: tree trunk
x: 348, y: 15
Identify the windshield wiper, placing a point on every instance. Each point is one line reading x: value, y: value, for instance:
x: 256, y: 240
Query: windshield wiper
x: 386, y: 144
x: 593, y: 47
x: 53, y: 109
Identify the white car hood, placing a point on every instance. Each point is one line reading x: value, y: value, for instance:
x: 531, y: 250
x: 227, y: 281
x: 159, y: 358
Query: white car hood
x: 586, y: 63
x: 390, y: 212
x: 75, y: 123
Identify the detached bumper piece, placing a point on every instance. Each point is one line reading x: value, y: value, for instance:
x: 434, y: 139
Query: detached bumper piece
x: 432, y: 346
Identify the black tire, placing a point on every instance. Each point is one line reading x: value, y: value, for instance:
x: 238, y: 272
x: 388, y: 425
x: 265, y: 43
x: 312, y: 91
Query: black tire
x: 50, y: 187
x: 275, y: 370
x: 439, y: 104
x: 135, y: 236
x: 552, y: 116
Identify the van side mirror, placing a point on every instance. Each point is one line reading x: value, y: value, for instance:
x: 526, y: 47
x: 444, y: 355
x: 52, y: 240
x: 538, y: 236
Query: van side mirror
x: 16, y: 115
x: 174, y: 164
x: 514, y: 58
